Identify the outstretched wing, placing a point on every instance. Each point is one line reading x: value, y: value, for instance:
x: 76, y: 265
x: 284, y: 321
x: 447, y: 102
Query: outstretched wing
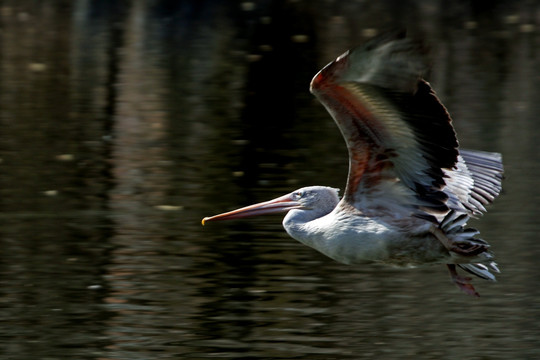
x: 401, y: 142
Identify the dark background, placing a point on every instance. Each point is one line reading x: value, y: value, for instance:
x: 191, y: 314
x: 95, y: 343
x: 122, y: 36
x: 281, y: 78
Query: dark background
x: 123, y: 123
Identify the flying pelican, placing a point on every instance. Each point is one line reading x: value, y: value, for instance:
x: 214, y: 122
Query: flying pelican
x: 410, y: 189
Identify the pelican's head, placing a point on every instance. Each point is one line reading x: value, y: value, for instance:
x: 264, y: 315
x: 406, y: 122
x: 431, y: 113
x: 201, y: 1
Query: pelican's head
x: 320, y: 199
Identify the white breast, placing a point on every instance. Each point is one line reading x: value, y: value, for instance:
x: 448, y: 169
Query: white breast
x: 357, y: 239
x: 347, y: 239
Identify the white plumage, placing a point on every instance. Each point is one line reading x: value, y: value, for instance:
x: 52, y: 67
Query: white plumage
x: 410, y: 189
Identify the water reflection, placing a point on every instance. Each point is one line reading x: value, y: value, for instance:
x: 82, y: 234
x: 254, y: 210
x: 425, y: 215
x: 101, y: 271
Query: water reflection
x: 124, y: 123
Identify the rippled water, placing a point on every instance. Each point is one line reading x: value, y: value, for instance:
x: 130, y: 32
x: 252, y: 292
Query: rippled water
x: 122, y: 124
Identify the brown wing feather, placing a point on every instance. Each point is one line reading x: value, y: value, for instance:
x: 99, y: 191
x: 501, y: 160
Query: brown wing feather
x: 398, y: 133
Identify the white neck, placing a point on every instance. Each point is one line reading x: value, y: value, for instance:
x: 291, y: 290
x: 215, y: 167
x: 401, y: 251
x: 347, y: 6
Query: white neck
x: 305, y: 226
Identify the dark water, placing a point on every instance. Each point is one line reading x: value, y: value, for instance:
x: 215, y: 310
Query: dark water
x: 123, y: 123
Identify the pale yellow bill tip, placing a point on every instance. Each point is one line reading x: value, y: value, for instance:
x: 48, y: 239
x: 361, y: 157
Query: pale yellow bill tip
x: 203, y: 220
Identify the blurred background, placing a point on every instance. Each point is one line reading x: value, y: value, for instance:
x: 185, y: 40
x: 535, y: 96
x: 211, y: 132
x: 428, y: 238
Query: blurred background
x: 123, y: 123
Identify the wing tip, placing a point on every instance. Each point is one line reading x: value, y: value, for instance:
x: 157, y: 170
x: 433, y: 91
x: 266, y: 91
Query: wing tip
x: 390, y: 59
x: 329, y: 73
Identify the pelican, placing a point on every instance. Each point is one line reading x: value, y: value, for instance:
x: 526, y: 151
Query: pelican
x: 410, y: 189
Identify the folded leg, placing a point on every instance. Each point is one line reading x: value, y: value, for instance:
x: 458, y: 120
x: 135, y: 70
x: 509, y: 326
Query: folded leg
x: 463, y: 283
x: 465, y: 248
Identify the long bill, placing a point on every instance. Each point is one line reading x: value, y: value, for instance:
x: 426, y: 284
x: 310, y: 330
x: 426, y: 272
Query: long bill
x: 280, y: 204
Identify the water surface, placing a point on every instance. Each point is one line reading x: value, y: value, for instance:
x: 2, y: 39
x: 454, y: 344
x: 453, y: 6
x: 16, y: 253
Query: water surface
x: 122, y: 124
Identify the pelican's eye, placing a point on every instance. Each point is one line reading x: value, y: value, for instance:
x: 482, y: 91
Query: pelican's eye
x: 297, y: 195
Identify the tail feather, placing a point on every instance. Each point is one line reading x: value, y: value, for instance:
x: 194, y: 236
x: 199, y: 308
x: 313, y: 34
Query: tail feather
x: 482, y: 264
x: 481, y: 270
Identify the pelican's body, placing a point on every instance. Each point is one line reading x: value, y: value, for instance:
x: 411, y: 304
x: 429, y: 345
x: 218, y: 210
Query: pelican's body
x: 357, y: 239
x: 349, y: 237
x: 410, y: 189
